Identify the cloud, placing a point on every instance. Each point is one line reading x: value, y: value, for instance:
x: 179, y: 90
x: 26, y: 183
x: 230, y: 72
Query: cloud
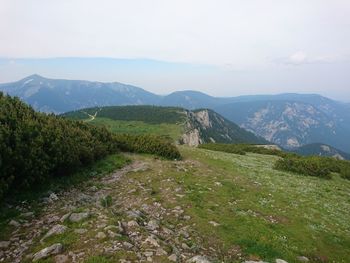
x: 301, y: 58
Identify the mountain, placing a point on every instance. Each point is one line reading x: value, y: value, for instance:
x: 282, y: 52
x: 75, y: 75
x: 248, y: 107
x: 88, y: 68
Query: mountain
x: 290, y: 120
x: 292, y: 123
x: 58, y: 96
x: 196, y: 127
x: 320, y: 149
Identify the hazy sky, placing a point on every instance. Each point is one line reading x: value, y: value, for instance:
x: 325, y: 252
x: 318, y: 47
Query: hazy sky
x: 222, y: 47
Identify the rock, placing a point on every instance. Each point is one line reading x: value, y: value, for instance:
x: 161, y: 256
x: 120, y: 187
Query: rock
x: 14, y: 223
x: 4, y: 244
x: 302, y: 259
x: 161, y: 252
x: 28, y: 214
x: 80, y: 231
x: 151, y: 241
x: 55, y: 230
x: 111, y: 234
x: 252, y: 261
x: 61, y: 259
x: 280, y: 261
x: 77, y: 217
x: 172, y: 257
x: 64, y: 217
x: 185, y: 246
x: 127, y: 245
x: 152, y: 225
x: 134, y: 214
x: 133, y: 223
x: 148, y: 254
x: 214, y: 223
x: 53, y: 197
x: 187, y: 217
x: 101, y: 235
x: 48, y: 251
x: 198, y: 259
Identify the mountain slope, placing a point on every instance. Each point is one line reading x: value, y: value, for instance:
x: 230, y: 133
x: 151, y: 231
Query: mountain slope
x: 195, y: 127
x: 290, y: 124
x: 322, y: 150
x: 56, y: 95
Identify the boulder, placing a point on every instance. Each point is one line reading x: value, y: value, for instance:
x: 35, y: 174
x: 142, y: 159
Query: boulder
x: 48, y: 251
x: 77, y: 217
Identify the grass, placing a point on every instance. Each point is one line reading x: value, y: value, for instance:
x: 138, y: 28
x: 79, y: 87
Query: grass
x: 267, y: 214
x: 172, y: 131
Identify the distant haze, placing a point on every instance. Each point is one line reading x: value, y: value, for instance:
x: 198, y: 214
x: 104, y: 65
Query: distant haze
x: 221, y: 47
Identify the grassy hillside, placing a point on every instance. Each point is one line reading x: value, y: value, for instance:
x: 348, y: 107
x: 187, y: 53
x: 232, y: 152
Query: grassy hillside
x: 226, y: 207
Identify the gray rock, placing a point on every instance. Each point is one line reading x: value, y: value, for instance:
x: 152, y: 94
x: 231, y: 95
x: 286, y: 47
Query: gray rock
x: 278, y: 260
x: 55, y: 230
x: 48, y: 251
x: 61, y: 259
x: 252, y: 261
x: 133, y: 223
x: 77, y: 217
x: 27, y: 214
x: 302, y: 259
x: 101, y: 235
x: 152, y: 225
x: 198, y: 259
x: 127, y: 245
x: 80, y: 230
x: 161, y: 252
x: 4, y: 244
x: 172, y: 257
x: 14, y: 223
x: 64, y: 217
x: 53, y: 197
x: 151, y: 241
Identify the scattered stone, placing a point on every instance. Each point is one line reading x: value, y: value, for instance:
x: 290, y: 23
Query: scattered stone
x: 215, y: 224
x: 4, y: 244
x: 77, y: 217
x: 48, y: 251
x: 61, y: 259
x: 64, y: 217
x: 151, y: 241
x: 80, y: 231
x: 198, y: 259
x: 172, y: 257
x: 133, y: 223
x: 101, y: 235
x: 27, y: 214
x: 280, y: 261
x: 55, y: 230
x: 152, y: 225
x: 127, y: 245
x: 302, y: 259
x: 161, y: 252
x: 53, y: 197
x: 14, y: 223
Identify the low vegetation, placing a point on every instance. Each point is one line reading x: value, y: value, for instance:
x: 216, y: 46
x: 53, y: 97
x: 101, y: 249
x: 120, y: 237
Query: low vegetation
x: 35, y: 147
x: 307, y: 165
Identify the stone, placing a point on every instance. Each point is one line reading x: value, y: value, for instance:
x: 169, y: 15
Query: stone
x: 161, y: 252
x: 61, y: 259
x: 302, y: 259
x: 187, y: 217
x: 133, y: 223
x: 198, y: 259
x: 151, y: 241
x: 77, y: 217
x: 111, y: 234
x: 214, y: 223
x: 278, y: 260
x: 134, y: 214
x: 4, y: 244
x: 53, y: 197
x: 101, y: 235
x: 172, y: 258
x: 185, y: 246
x: 27, y: 214
x: 14, y: 223
x: 80, y: 231
x: 152, y: 225
x: 64, y: 217
x: 252, y: 261
x: 48, y: 251
x: 127, y: 245
x: 148, y: 254
x: 55, y: 230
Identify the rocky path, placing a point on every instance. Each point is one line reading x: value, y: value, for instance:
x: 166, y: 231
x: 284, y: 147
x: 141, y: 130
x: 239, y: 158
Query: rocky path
x: 114, y: 216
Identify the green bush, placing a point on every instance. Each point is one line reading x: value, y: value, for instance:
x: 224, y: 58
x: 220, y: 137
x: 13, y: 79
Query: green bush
x: 148, y: 144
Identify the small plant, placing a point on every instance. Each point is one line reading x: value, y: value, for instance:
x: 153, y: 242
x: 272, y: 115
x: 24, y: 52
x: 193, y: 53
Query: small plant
x: 106, y: 201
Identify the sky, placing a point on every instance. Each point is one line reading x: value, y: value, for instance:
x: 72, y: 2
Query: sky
x: 221, y: 47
